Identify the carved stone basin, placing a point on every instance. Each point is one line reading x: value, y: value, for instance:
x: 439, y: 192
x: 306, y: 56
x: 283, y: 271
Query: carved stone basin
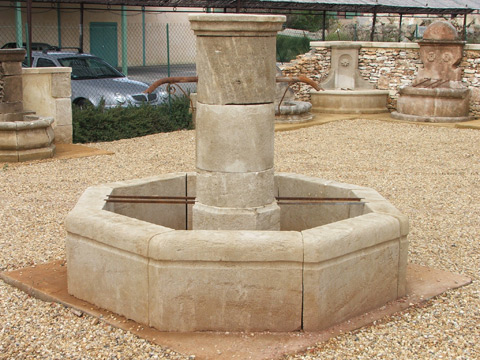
x: 328, y: 263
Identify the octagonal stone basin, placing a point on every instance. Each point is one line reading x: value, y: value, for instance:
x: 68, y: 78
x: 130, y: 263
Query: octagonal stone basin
x: 328, y: 264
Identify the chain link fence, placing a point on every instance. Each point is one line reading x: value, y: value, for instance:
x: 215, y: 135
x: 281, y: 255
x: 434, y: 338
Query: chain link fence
x: 146, y: 46
x: 153, y: 50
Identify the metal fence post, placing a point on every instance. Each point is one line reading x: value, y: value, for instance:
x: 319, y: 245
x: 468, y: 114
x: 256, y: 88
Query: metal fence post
x: 59, y: 26
x: 168, y: 70
x: 18, y: 24
x: 124, y: 41
x: 143, y: 35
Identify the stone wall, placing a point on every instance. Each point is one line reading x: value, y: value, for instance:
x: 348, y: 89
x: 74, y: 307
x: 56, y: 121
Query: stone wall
x: 386, y: 65
x: 47, y: 91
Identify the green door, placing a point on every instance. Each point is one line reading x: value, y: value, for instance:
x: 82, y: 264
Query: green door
x: 103, y: 41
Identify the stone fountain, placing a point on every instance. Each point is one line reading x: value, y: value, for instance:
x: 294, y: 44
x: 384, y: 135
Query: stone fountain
x: 287, y: 109
x: 238, y: 259
x: 345, y: 91
x: 23, y: 135
x: 437, y: 95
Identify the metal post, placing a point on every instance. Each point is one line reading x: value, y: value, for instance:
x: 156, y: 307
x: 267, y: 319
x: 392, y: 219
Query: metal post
x: 372, y: 34
x: 400, y: 29
x: 143, y: 35
x: 29, y: 32
x: 355, y: 36
x: 27, y: 42
x: 324, y: 24
x: 464, y: 35
x: 168, y: 52
x: 168, y: 68
x: 124, y: 41
x: 80, y: 39
x: 18, y: 25
x: 59, y: 26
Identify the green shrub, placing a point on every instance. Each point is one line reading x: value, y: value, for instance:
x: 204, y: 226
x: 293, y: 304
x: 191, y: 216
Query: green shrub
x: 93, y: 124
x: 288, y: 47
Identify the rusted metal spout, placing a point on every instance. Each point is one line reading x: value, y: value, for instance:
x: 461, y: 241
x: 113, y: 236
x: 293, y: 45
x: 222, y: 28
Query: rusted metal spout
x: 188, y: 79
x: 300, y: 78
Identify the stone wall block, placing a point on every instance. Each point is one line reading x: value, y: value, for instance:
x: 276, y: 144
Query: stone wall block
x: 216, y: 218
x: 8, y: 140
x: 228, y: 64
x: 11, y: 68
x: 235, y: 138
x: 63, y: 111
x: 116, y: 280
x: 12, y: 107
x: 255, y: 278
x: 250, y: 189
x: 14, y: 85
x: 64, y: 134
x: 61, y: 85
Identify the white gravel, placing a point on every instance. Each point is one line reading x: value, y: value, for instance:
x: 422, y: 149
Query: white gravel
x: 432, y: 174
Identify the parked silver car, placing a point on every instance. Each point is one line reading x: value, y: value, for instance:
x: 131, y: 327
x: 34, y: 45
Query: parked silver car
x: 93, y: 79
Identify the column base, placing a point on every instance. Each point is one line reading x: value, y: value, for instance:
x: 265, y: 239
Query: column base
x: 216, y: 218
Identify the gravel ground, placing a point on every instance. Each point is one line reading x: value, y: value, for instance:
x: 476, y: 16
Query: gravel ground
x: 431, y: 174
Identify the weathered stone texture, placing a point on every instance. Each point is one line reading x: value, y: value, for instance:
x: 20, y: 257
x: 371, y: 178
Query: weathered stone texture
x: 386, y: 68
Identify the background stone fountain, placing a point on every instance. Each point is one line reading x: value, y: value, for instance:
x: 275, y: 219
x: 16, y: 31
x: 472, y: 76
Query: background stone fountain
x: 249, y: 263
x: 290, y: 110
x: 437, y: 94
x: 23, y: 135
x: 345, y: 91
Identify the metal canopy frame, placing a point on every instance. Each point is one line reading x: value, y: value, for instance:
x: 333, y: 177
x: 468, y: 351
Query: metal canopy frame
x: 454, y: 7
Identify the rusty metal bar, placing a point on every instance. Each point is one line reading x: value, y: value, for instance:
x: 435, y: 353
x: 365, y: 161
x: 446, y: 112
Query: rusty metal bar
x: 440, y: 83
x: 182, y: 200
x: 300, y: 78
x: 187, y: 79
x: 422, y: 82
x: 434, y: 84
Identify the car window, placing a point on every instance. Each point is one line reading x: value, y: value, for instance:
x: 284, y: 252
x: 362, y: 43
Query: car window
x: 41, y: 62
x: 89, y: 68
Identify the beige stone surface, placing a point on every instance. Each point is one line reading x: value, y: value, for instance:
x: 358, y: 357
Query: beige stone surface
x: 11, y: 68
x: 47, y: 92
x: 224, y: 218
x: 350, y: 285
x: 243, y: 67
x: 235, y: 138
x: 236, y: 24
x: 11, y: 107
x: 14, y: 85
x: 250, y: 189
x: 242, y: 281
x: 8, y: 140
x: 63, y: 111
x: 168, y: 215
x: 348, y: 236
x: 61, y: 84
x: 34, y: 138
x: 116, y: 279
x: 63, y: 134
x: 349, y: 102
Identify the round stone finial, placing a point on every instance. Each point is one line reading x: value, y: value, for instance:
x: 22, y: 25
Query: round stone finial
x: 440, y: 30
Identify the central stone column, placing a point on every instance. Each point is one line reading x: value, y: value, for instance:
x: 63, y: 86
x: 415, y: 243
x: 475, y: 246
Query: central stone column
x: 235, y: 122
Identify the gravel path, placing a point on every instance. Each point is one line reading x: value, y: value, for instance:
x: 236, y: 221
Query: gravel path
x: 431, y: 174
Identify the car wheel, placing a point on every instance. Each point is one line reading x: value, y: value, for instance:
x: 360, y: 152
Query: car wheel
x: 82, y: 103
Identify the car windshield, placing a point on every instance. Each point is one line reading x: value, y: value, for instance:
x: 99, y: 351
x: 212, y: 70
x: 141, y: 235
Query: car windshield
x: 89, y: 68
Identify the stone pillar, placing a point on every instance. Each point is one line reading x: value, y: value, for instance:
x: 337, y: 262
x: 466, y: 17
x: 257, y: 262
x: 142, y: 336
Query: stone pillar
x: 11, y: 93
x: 235, y: 122
x: 23, y: 136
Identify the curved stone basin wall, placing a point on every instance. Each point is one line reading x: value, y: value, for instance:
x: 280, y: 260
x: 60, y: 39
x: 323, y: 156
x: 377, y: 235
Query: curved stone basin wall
x: 331, y: 262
